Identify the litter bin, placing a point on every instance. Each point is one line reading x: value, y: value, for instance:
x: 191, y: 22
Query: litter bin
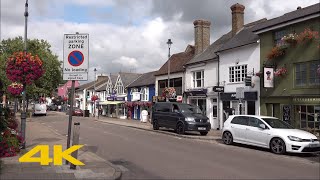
x: 86, y: 113
x: 144, y: 116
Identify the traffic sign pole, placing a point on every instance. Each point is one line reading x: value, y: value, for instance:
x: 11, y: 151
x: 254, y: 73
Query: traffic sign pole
x: 70, y: 115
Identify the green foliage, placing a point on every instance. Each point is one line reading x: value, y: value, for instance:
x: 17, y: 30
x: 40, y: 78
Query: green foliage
x: 52, y: 76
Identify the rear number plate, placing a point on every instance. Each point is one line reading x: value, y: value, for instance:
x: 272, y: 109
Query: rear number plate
x: 201, y: 128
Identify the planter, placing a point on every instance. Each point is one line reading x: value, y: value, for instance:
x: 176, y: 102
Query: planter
x: 307, y: 36
x: 276, y: 52
x: 281, y: 72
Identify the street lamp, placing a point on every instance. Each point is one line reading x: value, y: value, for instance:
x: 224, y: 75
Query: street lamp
x: 94, y: 91
x: 169, y: 46
x: 23, y: 113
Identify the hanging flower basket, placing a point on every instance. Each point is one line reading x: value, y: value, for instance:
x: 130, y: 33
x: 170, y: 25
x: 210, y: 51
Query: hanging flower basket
x: 169, y: 92
x: 290, y: 39
x: 65, y: 99
x: 307, y: 35
x: 281, y: 72
x: 94, y: 97
x: 275, y: 52
x: 15, y: 89
x: 24, y: 68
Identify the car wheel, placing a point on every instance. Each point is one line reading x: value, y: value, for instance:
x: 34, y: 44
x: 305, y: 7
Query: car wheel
x: 180, y: 128
x: 277, y: 146
x: 203, y: 133
x: 155, y: 125
x: 227, y: 138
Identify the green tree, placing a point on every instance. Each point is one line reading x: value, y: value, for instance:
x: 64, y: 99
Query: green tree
x: 52, y: 76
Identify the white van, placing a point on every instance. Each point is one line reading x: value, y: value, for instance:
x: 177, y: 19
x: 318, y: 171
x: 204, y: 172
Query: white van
x: 39, y: 109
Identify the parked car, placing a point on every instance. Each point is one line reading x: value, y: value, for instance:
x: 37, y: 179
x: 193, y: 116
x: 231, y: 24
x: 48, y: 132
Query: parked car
x: 268, y: 132
x: 39, y: 109
x: 53, y: 107
x: 179, y: 116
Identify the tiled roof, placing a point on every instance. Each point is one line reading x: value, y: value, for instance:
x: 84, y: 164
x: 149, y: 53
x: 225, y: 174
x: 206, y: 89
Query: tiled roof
x: 85, y: 86
x: 128, y: 78
x: 299, y: 13
x: 102, y: 87
x: 177, y: 61
x: 244, y: 37
x: 144, y: 80
x: 99, y: 82
x: 209, y: 53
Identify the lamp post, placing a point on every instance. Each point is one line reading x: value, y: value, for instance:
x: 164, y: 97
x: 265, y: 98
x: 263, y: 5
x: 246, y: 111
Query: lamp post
x: 169, y: 46
x: 94, y: 92
x: 23, y: 113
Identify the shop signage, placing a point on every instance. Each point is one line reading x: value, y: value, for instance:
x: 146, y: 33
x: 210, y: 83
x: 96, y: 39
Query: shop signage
x: 120, y: 98
x: 158, y: 99
x: 268, y: 77
x: 312, y: 100
x: 248, y: 96
x: 218, y: 89
x: 286, y: 113
x: 110, y: 98
x: 179, y: 98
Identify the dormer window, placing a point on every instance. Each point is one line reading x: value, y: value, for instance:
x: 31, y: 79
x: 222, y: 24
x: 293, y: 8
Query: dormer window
x: 144, y: 94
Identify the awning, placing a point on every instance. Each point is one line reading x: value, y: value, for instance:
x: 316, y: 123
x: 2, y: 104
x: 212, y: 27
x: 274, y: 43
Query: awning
x: 110, y: 102
x: 196, y: 92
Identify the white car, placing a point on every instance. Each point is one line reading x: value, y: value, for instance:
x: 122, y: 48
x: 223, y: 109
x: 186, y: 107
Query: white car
x: 268, y: 132
x: 39, y: 109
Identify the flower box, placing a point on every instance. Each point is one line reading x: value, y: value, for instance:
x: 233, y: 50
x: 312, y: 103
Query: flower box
x: 290, y: 39
x: 275, y: 52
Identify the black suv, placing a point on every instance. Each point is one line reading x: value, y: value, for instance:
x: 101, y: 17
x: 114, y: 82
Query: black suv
x: 179, y: 116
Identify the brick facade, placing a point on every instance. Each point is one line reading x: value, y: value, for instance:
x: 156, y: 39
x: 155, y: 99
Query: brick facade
x: 237, y: 17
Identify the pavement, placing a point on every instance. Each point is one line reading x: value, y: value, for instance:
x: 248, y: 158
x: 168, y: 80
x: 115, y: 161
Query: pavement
x: 212, y: 134
x: 95, y: 167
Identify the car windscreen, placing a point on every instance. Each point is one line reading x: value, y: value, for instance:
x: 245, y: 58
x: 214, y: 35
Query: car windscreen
x: 188, y: 108
x: 277, y: 123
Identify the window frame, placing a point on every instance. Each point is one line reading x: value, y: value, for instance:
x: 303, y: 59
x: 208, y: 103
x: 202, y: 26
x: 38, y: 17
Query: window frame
x: 144, y: 94
x: 311, y: 79
x: 195, y: 79
x: 236, y: 72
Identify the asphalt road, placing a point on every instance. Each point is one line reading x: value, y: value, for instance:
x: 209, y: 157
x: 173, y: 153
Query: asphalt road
x: 150, y: 155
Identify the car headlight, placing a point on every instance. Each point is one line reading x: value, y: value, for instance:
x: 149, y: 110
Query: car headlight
x: 293, y: 138
x: 190, y: 119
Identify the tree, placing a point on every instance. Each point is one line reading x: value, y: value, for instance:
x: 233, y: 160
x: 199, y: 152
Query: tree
x: 52, y: 76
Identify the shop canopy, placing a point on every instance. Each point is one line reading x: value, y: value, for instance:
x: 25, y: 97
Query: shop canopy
x: 110, y: 102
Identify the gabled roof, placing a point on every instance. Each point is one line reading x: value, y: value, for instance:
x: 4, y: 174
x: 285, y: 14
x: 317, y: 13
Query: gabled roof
x: 209, y: 53
x: 102, y: 87
x: 243, y: 37
x: 144, y: 80
x: 99, y: 82
x: 291, y: 16
x: 177, y: 61
x: 85, y: 86
x: 128, y: 78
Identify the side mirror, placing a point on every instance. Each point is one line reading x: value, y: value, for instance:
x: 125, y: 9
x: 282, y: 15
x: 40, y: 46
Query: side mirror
x: 262, y: 126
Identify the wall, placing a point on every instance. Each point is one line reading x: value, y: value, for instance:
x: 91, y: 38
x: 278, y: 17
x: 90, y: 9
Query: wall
x: 162, y: 77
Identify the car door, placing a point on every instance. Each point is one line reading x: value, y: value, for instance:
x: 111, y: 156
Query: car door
x: 164, y: 115
x: 239, y: 125
x: 255, y: 134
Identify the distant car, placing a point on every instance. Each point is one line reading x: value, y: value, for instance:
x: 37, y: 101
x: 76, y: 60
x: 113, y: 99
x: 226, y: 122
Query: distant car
x: 181, y: 117
x: 39, y: 109
x: 76, y: 112
x: 268, y: 132
x: 53, y: 107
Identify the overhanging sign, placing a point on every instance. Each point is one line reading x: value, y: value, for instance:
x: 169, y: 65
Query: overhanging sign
x: 75, y: 57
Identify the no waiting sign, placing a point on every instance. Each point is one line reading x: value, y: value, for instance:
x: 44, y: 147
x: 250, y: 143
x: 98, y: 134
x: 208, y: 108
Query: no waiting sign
x: 75, y: 57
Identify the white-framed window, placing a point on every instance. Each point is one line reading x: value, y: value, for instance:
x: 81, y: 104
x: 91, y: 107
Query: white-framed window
x: 144, y: 94
x: 133, y: 90
x: 198, y: 79
x: 120, y: 88
x: 237, y: 73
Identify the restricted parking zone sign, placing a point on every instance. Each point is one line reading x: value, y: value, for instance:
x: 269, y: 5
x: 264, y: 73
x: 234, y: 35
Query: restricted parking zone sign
x: 76, y: 57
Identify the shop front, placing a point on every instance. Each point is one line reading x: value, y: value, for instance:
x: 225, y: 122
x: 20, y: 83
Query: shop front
x: 114, y: 107
x: 231, y: 105
x: 206, y: 101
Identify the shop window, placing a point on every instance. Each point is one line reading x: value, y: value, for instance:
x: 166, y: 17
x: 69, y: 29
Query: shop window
x: 237, y: 73
x: 198, y: 79
x: 308, y: 116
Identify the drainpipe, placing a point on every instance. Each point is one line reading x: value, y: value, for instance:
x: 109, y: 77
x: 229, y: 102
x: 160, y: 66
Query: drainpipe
x: 218, y: 102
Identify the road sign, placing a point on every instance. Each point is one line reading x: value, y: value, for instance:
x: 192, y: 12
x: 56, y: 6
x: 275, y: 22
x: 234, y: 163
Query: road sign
x: 218, y: 88
x: 76, y: 57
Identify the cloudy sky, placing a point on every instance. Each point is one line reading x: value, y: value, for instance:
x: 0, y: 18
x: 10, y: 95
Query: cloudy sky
x: 130, y: 35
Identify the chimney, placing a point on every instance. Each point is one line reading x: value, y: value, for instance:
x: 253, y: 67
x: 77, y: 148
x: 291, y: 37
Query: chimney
x: 237, y: 17
x: 201, y: 35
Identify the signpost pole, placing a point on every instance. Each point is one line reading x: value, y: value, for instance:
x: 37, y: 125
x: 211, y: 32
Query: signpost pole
x: 70, y: 115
